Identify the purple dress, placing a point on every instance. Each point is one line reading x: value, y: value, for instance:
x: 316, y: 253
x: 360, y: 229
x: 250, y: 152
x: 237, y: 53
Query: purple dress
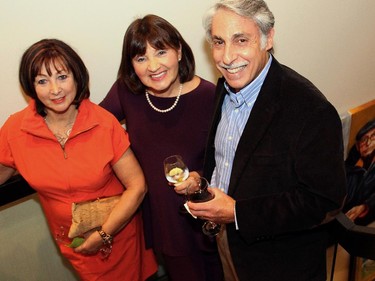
x: 155, y: 136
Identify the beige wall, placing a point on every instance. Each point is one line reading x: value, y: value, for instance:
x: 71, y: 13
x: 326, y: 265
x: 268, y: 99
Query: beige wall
x: 330, y: 42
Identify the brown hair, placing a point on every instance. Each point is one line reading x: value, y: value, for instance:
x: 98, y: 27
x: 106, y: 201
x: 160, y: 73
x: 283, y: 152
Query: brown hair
x: 160, y: 34
x: 55, y: 52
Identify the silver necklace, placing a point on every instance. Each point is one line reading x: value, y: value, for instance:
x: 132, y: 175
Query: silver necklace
x: 63, y: 136
x: 164, y: 110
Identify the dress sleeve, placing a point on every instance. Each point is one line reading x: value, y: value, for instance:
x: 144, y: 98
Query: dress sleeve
x: 120, y: 141
x: 6, y: 157
x: 112, y: 102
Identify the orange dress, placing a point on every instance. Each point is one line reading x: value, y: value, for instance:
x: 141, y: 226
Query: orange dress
x: 79, y: 172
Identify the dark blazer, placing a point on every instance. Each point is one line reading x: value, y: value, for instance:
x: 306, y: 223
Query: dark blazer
x: 287, y: 179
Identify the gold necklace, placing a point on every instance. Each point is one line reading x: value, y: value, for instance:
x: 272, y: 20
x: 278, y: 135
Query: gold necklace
x: 164, y: 110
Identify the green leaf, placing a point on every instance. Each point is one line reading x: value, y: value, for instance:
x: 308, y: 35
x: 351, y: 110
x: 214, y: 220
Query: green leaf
x: 77, y: 241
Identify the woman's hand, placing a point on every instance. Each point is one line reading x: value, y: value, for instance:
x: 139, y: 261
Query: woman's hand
x: 188, y: 185
x: 93, y: 243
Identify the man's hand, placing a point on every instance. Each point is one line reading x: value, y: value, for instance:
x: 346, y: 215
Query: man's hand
x: 357, y: 212
x: 219, y: 210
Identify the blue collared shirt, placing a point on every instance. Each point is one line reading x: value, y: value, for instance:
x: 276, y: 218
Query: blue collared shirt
x: 236, y: 110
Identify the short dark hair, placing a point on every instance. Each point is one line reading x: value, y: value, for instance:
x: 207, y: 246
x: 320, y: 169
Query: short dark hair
x: 44, y: 53
x: 365, y: 129
x: 160, y: 34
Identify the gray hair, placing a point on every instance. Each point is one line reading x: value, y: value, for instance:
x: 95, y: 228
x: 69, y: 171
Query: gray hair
x: 256, y: 10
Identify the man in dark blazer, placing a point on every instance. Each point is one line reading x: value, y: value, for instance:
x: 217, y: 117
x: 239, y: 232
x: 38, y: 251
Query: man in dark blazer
x: 274, y: 152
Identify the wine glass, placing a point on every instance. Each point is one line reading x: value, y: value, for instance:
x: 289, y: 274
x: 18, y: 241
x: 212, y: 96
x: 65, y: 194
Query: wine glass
x: 203, y: 195
x: 175, y: 169
x: 176, y: 172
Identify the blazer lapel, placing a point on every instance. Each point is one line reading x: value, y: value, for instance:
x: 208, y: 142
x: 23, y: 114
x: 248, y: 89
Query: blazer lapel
x: 264, y: 111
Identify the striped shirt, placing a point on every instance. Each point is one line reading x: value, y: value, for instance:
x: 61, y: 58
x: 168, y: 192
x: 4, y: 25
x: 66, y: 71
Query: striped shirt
x: 236, y: 110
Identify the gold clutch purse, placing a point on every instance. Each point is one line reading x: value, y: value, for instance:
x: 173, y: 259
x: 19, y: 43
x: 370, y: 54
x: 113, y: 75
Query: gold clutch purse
x: 91, y: 214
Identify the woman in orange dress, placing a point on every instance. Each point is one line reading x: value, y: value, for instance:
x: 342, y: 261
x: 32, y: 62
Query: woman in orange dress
x: 71, y: 150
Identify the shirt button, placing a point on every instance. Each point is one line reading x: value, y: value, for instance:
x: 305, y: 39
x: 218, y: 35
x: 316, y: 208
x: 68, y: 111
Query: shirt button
x: 226, y: 164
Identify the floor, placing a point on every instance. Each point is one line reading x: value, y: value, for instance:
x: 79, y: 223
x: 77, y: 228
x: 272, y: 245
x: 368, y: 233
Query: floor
x: 340, y: 269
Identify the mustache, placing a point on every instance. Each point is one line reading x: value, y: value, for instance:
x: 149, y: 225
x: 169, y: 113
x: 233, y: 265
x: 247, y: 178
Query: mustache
x: 232, y: 66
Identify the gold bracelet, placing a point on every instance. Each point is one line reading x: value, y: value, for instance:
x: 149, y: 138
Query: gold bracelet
x: 107, y: 238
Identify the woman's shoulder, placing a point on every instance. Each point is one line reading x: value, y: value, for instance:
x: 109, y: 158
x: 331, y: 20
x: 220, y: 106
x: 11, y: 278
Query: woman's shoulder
x: 198, y: 84
x: 15, y: 124
x: 119, y: 88
x: 18, y: 116
x: 96, y: 111
x: 206, y: 83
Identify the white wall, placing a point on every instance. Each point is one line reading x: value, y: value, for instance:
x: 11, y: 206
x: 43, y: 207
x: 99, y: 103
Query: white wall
x: 330, y: 42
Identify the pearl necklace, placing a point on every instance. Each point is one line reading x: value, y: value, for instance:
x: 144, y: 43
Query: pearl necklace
x: 164, y: 110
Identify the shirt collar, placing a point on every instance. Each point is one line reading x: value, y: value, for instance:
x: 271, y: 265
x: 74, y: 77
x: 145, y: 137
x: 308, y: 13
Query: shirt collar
x: 248, y: 94
x: 34, y: 124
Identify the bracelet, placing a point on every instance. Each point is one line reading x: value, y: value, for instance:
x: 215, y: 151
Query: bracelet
x: 107, y: 238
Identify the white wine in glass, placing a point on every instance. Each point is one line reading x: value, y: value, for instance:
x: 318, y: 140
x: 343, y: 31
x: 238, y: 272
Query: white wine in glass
x: 175, y: 169
x: 176, y: 172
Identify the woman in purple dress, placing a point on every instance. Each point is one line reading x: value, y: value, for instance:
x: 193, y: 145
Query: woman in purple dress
x: 161, y: 101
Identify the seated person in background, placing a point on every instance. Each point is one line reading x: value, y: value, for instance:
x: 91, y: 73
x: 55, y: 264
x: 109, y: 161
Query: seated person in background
x: 360, y: 169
